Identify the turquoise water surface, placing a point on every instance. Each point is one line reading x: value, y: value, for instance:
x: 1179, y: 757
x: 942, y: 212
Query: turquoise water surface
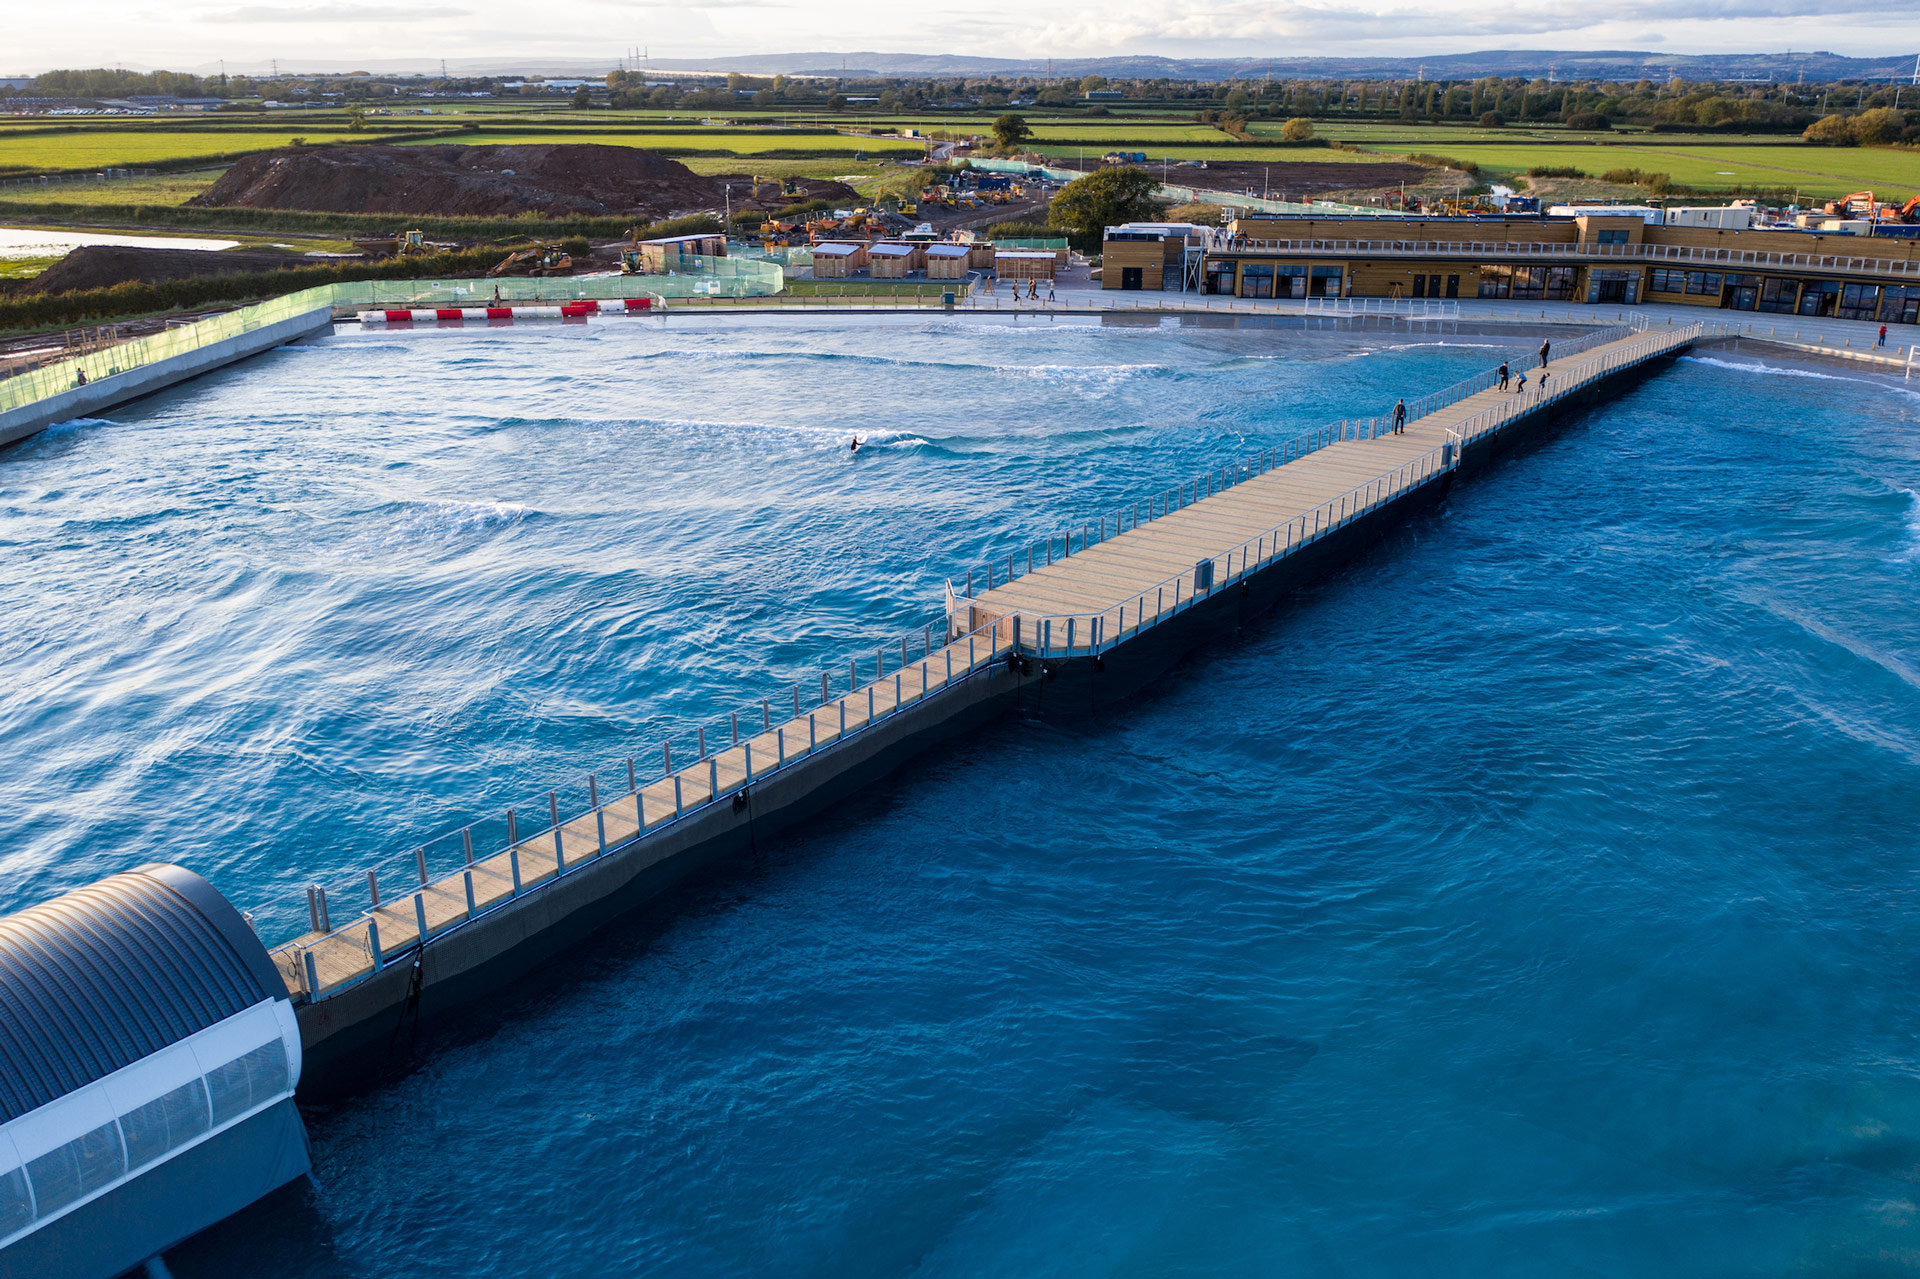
x: 1535, y: 896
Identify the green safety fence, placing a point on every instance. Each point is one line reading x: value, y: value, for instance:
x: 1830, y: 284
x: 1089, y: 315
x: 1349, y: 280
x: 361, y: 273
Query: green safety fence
x: 711, y: 277
x: 39, y: 384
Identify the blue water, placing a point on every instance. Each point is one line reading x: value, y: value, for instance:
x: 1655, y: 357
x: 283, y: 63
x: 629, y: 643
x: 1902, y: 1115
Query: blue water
x: 1535, y: 896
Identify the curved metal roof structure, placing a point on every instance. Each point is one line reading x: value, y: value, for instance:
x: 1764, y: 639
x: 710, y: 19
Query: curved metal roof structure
x: 103, y: 976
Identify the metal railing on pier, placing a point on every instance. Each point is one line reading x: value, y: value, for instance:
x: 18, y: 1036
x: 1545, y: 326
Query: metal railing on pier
x: 456, y: 877
x: 1095, y: 632
x: 1185, y: 492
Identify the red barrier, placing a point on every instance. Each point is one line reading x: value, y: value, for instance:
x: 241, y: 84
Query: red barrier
x: 449, y: 313
x: 639, y: 304
x: 578, y: 308
x: 499, y: 313
x: 399, y: 317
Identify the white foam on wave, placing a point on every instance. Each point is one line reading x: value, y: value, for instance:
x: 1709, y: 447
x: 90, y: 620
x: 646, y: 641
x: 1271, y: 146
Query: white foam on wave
x: 1762, y: 369
x: 1081, y: 373
x: 444, y: 520
x: 1910, y: 549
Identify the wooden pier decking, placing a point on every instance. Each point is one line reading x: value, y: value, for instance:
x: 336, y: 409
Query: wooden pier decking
x: 1116, y: 584
x: 1193, y: 543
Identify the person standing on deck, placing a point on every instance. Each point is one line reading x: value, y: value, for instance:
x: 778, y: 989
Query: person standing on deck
x: 1545, y: 346
x: 1544, y: 375
x: 1505, y: 375
x: 1883, y: 336
x: 1400, y: 418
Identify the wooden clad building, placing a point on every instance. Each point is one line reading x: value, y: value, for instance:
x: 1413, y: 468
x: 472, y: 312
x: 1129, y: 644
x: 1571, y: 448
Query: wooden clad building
x: 1024, y: 264
x: 1594, y: 257
x: 895, y: 260
x: 676, y: 252
x: 949, y: 261
x: 838, y: 259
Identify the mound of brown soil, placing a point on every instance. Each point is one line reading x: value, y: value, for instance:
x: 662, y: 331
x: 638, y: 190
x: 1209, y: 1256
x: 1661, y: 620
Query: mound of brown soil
x: 99, y: 266
x: 452, y: 181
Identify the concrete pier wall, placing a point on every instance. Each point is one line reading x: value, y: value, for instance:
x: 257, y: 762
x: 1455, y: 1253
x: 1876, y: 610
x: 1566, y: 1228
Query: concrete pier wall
x: 101, y: 394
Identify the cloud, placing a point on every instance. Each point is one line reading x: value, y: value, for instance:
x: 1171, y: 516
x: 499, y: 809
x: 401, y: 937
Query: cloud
x: 684, y: 6
x: 329, y: 15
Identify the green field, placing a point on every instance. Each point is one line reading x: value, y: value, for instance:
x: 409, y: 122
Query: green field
x: 1243, y: 153
x: 1705, y: 162
x: 714, y: 140
x: 165, y: 188
x: 1815, y: 171
x: 97, y: 149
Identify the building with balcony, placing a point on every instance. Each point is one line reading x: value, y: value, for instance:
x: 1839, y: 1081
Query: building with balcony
x: 1612, y: 257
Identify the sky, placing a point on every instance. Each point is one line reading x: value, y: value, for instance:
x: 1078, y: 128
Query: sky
x: 194, y: 34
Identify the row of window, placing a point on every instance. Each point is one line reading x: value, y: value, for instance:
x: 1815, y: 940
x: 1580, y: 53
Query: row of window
x: 1704, y: 283
x: 1273, y: 279
x: 95, y: 1160
x: 1544, y: 282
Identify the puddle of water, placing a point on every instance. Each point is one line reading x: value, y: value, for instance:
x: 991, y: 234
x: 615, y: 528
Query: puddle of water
x: 21, y: 242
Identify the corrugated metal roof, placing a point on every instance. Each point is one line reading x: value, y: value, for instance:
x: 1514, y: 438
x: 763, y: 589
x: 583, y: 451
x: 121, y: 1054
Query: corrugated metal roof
x: 107, y: 974
x: 949, y: 250
x: 892, y: 250
x: 836, y: 250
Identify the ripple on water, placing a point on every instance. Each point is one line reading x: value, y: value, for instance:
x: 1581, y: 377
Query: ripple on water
x: 1533, y: 895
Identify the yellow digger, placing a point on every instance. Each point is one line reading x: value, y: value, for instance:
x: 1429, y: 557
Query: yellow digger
x: 546, y: 259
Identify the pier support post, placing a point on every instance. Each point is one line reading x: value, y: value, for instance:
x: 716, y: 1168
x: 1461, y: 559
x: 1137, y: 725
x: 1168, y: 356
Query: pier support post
x: 599, y: 813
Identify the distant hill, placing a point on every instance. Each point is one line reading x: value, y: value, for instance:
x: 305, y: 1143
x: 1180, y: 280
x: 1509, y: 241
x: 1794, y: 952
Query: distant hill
x: 1582, y: 64
x: 1606, y: 64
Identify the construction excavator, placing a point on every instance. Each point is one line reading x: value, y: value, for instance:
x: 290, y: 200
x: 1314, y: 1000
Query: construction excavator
x: 541, y: 260
x: 1861, y: 204
x: 407, y: 244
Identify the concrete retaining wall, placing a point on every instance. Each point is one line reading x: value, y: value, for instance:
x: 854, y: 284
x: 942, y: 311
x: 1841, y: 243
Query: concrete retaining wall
x: 105, y: 393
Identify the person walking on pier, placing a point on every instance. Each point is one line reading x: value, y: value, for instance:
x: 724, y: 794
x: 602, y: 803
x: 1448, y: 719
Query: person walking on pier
x: 1883, y: 336
x: 1505, y: 375
x: 1400, y: 418
x: 1545, y: 346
